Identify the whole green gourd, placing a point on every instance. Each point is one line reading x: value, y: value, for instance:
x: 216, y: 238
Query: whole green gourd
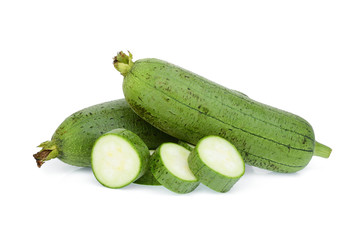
x: 73, y: 140
x: 190, y: 107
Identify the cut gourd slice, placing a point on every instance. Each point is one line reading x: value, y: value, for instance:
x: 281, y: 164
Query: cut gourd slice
x: 169, y: 165
x: 119, y: 157
x: 216, y: 163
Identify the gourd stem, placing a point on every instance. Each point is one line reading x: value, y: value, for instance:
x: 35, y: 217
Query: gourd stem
x: 48, y: 151
x: 123, y: 62
x: 321, y: 150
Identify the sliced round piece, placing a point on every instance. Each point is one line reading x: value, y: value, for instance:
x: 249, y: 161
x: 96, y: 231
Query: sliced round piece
x: 216, y: 163
x: 148, y: 178
x: 169, y: 165
x: 119, y: 157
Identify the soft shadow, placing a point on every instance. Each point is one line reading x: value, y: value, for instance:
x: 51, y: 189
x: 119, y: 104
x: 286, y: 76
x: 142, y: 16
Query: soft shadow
x: 284, y: 174
x: 149, y: 188
x: 56, y: 166
x: 251, y: 170
x: 86, y: 170
x: 87, y: 174
x: 159, y: 189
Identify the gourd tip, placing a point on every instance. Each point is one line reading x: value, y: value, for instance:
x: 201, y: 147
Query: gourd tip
x: 322, y: 150
x: 123, y: 62
x: 48, y: 151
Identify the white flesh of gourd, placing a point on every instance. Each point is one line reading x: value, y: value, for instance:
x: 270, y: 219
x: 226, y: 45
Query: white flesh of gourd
x: 114, y: 161
x: 175, y: 159
x: 221, y: 156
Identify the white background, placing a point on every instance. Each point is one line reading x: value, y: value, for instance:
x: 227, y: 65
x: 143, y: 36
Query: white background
x: 56, y: 58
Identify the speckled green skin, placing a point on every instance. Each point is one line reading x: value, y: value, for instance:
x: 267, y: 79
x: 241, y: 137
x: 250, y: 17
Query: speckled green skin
x: 148, y: 179
x: 75, y: 137
x: 186, y: 145
x: 209, y: 177
x: 167, y: 178
x: 189, y: 107
x: 137, y: 144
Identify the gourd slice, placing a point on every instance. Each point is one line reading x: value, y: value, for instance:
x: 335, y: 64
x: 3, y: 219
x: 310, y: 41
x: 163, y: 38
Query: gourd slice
x: 216, y: 163
x: 169, y: 165
x: 119, y: 157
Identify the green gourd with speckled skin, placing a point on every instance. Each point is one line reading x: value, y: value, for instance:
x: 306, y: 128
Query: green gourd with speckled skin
x: 73, y: 140
x: 190, y: 107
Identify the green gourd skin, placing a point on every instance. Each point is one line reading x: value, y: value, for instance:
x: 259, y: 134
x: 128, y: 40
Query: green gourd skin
x: 148, y: 177
x: 73, y: 140
x: 190, y: 107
